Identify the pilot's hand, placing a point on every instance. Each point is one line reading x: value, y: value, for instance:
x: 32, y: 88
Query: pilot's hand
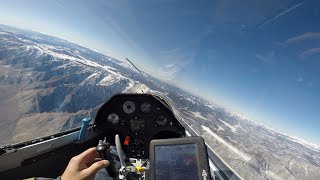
x: 84, y: 166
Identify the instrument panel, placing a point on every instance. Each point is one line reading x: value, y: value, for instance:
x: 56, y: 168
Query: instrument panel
x: 137, y: 118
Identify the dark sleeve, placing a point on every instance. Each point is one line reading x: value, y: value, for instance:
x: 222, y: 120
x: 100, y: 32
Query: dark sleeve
x: 43, y: 178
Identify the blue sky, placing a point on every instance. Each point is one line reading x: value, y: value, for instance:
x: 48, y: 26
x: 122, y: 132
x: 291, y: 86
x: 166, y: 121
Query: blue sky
x: 260, y: 59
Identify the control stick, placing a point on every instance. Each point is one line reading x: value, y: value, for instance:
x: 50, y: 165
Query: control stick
x: 103, y: 148
x: 122, y: 170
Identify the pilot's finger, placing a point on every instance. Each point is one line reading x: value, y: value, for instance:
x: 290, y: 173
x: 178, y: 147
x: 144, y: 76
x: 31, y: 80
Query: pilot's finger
x: 95, y: 167
x: 89, y: 154
x: 90, y: 162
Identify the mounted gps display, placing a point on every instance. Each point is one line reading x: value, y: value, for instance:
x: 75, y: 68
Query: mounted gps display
x: 183, y: 158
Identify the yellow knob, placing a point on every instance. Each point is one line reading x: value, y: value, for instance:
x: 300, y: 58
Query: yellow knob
x: 140, y: 169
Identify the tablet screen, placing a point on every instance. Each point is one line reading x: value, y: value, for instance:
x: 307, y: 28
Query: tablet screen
x: 176, y: 162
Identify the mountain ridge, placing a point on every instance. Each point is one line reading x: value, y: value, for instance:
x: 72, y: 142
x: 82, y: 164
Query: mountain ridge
x: 54, y: 85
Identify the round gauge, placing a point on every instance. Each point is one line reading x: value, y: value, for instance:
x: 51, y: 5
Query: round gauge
x: 161, y: 120
x: 129, y: 107
x: 145, y: 108
x: 113, y: 118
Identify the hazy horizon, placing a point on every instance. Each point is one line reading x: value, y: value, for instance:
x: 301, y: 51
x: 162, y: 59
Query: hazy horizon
x: 272, y: 78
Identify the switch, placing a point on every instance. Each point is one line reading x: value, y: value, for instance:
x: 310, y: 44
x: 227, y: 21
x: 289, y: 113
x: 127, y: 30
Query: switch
x: 127, y: 141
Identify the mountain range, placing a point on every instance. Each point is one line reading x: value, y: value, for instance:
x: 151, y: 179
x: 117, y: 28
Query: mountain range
x: 48, y: 85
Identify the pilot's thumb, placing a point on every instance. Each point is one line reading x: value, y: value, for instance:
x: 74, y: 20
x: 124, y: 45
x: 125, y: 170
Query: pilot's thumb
x: 95, y: 167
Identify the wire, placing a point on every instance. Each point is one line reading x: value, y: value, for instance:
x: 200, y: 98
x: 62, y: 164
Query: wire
x: 136, y: 69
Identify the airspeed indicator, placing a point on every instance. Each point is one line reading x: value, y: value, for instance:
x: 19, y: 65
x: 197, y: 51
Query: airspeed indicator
x: 113, y: 118
x: 161, y: 120
x: 145, y: 108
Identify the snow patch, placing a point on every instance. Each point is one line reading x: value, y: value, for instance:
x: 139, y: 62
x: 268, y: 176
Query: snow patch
x: 303, y: 142
x: 211, y: 105
x: 109, y: 68
x: 190, y: 99
x: 108, y: 80
x: 198, y: 115
x: 47, y: 49
x: 220, y: 128
x: 306, y: 171
x: 235, y: 150
x: 92, y: 75
x: 4, y: 33
x: 130, y: 85
x: 273, y: 175
x: 136, y: 87
x: 233, y: 128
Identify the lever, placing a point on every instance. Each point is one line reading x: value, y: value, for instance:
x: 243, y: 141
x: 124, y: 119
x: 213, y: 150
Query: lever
x: 122, y: 170
x: 103, y: 148
x: 119, y: 150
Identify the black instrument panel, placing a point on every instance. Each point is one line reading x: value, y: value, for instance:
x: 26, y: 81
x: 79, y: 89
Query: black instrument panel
x: 137, y: 118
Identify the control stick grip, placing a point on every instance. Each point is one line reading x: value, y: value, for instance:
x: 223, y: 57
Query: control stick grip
x: 103, y: 148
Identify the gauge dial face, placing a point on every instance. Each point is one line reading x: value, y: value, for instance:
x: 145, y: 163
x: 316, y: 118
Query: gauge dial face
x: 161, y: 120
x: 113, y: 118
x: 145, y: 108
x: 129, y: 107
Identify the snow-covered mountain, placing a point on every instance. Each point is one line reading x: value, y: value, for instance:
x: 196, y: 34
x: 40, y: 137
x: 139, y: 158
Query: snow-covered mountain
x: 47, y: 85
